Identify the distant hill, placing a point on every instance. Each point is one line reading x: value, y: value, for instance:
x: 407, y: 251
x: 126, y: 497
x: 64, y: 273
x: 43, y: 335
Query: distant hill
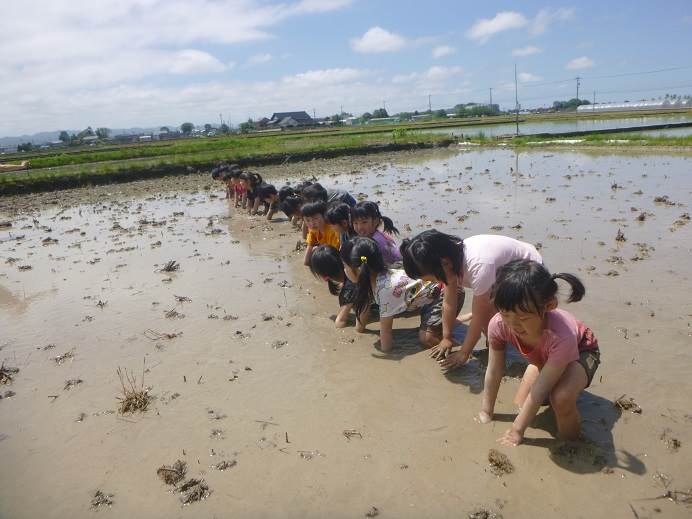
x: 44, y: 137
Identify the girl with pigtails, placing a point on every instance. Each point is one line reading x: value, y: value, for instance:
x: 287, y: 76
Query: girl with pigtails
x: 563, y: 354
x: 393, y: 291
x: 366, y: 220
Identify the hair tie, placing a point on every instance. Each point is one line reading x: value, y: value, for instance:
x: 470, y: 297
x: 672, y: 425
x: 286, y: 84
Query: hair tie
x: 363, y: 259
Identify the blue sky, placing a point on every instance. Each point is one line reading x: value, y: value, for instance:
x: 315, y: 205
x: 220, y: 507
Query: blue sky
x: 68, y: 64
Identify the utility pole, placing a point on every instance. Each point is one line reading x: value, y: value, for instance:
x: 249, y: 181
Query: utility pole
x: 221, y: 119
x: 314, y: 116
x: 593, y: 105
x: 342, y: 110
x: 578, y: 81
x: 384, y: 104
x: 491, y: 98
x: 516, y: 98
x: 429, y: 104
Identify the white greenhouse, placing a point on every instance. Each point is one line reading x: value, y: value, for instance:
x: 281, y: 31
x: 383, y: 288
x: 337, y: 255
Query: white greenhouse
x: 664, y: 104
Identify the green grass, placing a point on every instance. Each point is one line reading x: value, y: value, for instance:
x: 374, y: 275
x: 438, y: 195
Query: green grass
x: 201, y: 155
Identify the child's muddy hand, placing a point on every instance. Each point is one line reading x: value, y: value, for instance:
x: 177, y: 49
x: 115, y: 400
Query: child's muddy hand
x: 484, y: 417
x: 442, y: 349
x: 511, y: 438
x: 456, y: 359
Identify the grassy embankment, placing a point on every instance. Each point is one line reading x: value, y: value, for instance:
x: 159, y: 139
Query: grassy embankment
x: 98, y: 165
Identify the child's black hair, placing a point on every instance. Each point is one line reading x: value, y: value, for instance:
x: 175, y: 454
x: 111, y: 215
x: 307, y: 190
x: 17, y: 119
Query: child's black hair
x: 285, y: 192
x: 315, y: 192
x: 265, y: 191
x: 337, y: 213
x: 313, y: 208
x: 326, y: 263
x: 368, y: 209
x: 253, y: 179
x: 364, y: 254
x: 527, y: 285
x: 226, y: 175
x: 236, y: 173
x: 423, y: 254
x: 291, y: 205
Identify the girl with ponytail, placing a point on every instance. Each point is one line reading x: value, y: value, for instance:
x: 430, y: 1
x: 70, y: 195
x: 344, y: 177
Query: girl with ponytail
x: 366, y: 220
x: 251, y: 183
x: 563, y: 354
x: 393, y: 291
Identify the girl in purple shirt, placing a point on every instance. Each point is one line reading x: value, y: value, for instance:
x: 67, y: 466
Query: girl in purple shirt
x: 366, y: 220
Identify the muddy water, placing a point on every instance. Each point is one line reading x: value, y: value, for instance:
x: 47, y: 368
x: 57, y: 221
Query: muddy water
x: 227, y: 390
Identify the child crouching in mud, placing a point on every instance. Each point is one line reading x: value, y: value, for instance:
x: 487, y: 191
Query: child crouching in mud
x: 393, y: 291
x: 563, y: 354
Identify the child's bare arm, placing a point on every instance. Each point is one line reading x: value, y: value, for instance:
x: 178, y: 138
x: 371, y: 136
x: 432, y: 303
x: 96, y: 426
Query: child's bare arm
x: 386, y: 338
x: 308, y: 255
x: 493, y: 376
x: 544, y: 384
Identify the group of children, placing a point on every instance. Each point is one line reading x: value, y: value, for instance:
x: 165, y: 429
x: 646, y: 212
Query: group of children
x: 352, y: 247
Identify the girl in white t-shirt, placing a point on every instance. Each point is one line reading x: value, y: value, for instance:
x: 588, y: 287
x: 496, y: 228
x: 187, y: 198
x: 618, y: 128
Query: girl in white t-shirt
x: 393, y: 291
x: 470, y: 263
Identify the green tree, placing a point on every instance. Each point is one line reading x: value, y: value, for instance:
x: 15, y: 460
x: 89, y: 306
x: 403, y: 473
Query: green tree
x: 366, y: 116
x: 103, y: 133
x: 64, y: 137
x: 164, y: 129
x: 441, y: 113
x: 208, y: 127
x: 247, y: 126
x: 224, y: 128
x: 187, y: 128
x: 380, y: 112
x: 336, y: 119
x: 27, y: 146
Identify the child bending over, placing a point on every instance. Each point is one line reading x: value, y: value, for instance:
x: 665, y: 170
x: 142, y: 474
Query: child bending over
x: 319, y: 231
x: 393, y: 291
x: 366, y: 220
x: 563, y: 354
x: 471, y: 263
x: 326, y: 263
x: 338, y: 214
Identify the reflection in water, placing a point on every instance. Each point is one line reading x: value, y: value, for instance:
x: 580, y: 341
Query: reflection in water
x: 19, y: 305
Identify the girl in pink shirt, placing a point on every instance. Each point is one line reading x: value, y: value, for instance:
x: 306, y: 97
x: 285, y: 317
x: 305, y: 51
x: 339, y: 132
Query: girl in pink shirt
x: 562, y: 353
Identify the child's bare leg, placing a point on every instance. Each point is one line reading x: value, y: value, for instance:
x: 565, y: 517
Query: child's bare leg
x: 363, y: 320
x: 563, y: 398
x: 530, y: 376
x: 342, y: 317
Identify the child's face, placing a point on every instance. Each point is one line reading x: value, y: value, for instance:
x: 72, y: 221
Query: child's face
x: 365, y: 226
x: 235, y: 181
x: 343, y: 225
x: 527, y: 325
x: 315, y: 222
x: 243, y: 183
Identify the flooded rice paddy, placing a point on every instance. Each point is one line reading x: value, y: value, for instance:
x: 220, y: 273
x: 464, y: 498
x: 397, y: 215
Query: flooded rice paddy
x: 273, y: 412
x: 574, y: 125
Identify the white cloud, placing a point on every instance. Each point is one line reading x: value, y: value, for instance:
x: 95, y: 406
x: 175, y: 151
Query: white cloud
x: 527, y: 77
x: 526, y: 51
x: 442, y: 51
x: 56, y: 54
x: 191, y: 61
x: 579, y: 63
x: 434, y: 74
x: 546, y: 17
x: 377, y: 39
x: 485, y: 28
x: 325, y: 77
x: 261, y: 58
